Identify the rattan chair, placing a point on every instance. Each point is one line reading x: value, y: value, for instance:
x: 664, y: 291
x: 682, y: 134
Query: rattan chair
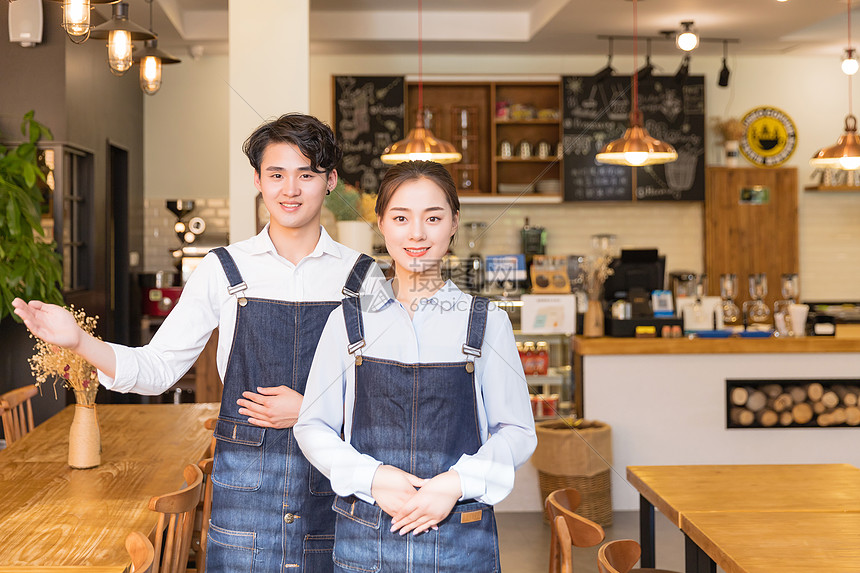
x: 142, y: 553
x: 582, y: 531
x: 16, y: 410
x: 176, y: 522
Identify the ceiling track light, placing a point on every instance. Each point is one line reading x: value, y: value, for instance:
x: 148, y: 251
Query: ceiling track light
x: 683, y: 70
x: 687, y: 39
x: 119, y: 31
x: 607, y: 70
x: 723, y: 80
x: 646, y: 72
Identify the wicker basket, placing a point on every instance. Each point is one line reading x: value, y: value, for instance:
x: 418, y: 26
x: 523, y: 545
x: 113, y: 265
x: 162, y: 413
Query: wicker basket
x: 577, y: 454
x: 595, y: 491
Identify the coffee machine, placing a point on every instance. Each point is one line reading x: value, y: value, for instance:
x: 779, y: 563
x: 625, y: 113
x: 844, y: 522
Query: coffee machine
x: 474, y: 263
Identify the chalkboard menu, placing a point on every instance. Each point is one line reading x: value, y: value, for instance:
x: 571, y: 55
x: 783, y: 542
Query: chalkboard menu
x: 368, y: 117
x: 596, y: 113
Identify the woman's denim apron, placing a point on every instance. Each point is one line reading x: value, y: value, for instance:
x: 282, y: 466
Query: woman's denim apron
x: 271, y: 510
x: 420, y: 418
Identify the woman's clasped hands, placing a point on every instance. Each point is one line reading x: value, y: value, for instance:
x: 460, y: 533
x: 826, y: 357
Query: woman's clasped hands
x: 415, y: 504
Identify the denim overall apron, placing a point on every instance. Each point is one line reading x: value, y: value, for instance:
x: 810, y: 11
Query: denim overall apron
x: 271, y: 510
x: 420, y: 418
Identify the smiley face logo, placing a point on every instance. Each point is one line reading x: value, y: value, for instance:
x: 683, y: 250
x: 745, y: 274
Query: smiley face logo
x: 770, y: 136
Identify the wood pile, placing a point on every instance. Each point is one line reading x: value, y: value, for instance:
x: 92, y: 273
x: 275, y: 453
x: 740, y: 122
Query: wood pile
x: 794, y: 404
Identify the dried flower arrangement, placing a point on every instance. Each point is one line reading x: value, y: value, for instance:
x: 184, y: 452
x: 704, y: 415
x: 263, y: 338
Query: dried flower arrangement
x: 595, y: 272
x: 61, y: 364
x: 731, y: 129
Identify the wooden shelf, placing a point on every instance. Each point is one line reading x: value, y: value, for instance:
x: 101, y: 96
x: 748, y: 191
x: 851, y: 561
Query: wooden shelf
x: 527, y: 121
x: 838, y: 188
x: 527, y: 160
x: 505, y: 198
x: 625, y: 346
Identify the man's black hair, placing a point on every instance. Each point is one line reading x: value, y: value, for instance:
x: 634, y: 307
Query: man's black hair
x: 313, y: 138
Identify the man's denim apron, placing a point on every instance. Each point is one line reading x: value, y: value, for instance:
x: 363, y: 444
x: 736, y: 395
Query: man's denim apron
x: 420, y: 418
x: 271, y: 510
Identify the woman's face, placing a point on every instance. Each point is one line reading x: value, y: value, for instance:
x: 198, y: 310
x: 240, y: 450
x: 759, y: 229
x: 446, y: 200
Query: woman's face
x: 418, y: 225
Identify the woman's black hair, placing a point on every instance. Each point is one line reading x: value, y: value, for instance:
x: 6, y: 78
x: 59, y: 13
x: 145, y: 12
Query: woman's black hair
x: 313, y: 138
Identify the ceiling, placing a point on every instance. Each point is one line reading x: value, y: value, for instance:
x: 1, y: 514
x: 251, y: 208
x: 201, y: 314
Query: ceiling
x: 795, y: 27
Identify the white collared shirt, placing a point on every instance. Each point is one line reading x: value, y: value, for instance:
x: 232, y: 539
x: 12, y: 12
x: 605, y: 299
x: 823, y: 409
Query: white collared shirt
x: 435, y: 334
x: 205, y: 305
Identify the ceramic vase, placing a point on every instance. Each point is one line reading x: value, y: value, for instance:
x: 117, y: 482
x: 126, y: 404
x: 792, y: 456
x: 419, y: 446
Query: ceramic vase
x: 84, y: 438
x: 731, y: 148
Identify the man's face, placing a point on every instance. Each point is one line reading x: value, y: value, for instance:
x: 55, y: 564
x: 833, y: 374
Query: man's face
x: 292, y: 192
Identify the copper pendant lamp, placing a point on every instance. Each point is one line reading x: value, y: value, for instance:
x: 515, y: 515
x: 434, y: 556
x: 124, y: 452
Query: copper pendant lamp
x: 420, y: 144
x: 845, y: 154
x: 636, y: 147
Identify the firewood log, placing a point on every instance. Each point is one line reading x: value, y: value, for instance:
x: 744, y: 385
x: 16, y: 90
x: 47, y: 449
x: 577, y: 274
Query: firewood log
x: 802, y: 413
x: 757, y: 400
x: 739, y: 395
x: 741, y: 416
x: 767, y: 418
x: 814, y: 391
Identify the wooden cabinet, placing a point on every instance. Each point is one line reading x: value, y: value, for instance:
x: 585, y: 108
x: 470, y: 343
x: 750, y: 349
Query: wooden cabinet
x: 746, y: 233
x: 464, y: 113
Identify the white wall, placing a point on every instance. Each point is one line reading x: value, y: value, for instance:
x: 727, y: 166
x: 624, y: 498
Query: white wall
x: 185, y: 131
x: 812, y: 91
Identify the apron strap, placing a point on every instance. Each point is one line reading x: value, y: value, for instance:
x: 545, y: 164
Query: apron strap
x: 477, y: 326
x: 356, y: 276
x: 234, y: 277
x: 352, y: 303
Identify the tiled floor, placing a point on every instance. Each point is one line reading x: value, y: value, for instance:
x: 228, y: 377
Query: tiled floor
x: 524, y: 542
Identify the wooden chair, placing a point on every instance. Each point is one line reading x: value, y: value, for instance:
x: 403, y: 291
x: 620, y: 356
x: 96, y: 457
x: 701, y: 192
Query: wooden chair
x: 142, y: 553
x: 176, y: 522
x: 204, y: 511
x: 559, y: 525
x: 210, y: 425
x: 620, y: 556
x: 16, y: 410
x: 582, y: 531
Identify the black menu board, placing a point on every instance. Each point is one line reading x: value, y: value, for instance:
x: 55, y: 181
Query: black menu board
x: 368, y: 117
x: 596, y: 113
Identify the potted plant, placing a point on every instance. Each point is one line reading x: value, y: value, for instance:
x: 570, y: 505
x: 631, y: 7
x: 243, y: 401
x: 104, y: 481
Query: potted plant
x: 353, y: 211
x: 30, y: 267
x: 732, y: 130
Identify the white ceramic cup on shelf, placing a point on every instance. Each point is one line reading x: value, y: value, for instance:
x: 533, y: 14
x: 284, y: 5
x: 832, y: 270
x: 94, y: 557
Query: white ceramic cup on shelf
x: 798, y: 314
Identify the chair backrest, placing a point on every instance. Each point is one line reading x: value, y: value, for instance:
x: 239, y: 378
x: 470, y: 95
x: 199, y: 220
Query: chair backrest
x: 17, y: 412
x: 205, y: 511
x: 209, y: 424
x: 564, y: 544
x: 176, y: 522
x: 618, y: 556
x: 583, y: 531
x: 140, y: 549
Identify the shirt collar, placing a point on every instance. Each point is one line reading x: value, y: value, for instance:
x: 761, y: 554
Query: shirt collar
x: 447, y: 295
x: 262, y: 243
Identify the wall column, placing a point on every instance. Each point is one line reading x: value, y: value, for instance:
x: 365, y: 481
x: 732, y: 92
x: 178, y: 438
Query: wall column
x: 269, y: 76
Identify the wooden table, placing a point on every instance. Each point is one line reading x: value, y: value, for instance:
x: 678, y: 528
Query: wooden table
x: 54, y: 518
x: 734, y: 490
x: 788, y: 542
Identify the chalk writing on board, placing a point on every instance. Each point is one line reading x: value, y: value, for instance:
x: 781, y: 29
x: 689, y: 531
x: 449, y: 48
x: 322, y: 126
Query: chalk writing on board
x: 596, y: 113
x: 368, y: 118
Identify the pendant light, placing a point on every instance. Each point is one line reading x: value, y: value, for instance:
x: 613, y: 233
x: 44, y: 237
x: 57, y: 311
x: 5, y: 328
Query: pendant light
x: 846, y: 153
x: 636, y: 147
x: 76, y: 17
x: 150, y: 59
x: 687, y: 40
x: 420, y: 144
x: 119, y: 31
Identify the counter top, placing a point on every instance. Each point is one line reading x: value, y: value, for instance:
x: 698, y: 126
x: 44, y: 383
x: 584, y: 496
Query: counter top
x: 810, y: 344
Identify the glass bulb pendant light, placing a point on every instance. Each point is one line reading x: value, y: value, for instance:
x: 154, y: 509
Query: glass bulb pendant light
x: 636, y: 147
x: 420, y: 144
x: 151, y: 59
x: 76, y: 17
x: 119, y: 31
x: 849, y: 62
x: 687, y: 40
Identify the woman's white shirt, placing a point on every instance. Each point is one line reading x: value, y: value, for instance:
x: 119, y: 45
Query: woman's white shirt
x: 435, y: 334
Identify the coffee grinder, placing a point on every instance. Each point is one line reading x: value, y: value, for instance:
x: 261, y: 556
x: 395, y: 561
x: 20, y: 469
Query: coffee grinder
x: 474, y: 263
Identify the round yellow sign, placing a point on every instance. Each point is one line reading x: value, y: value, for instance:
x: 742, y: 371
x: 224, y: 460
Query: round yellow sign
x: 769, y: 138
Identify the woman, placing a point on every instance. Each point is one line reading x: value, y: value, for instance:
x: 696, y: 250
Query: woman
x: 425, y: 385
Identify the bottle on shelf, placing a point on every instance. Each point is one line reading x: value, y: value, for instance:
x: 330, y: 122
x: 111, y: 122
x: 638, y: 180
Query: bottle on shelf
x: 541, y: 358
x: 529, y: 358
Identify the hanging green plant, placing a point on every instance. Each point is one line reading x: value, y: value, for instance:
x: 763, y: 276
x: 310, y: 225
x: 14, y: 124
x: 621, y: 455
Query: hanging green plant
x: 30, y: 267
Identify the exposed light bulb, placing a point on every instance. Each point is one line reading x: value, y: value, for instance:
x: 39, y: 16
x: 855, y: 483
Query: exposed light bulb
x: 119, y: 51
x: 76, y: 17
x: 636, y: 157
x: 150, y: 74
x: 849, y: 62
x: 687, y: 41
x: 849, y: 163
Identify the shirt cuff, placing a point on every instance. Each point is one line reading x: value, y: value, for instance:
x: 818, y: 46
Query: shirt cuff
x: 126, y: 370
x: 356, y: 479
x: 471, y: 472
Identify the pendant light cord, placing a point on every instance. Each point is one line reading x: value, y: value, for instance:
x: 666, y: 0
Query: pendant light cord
x: 420, y: 68
x: 850, y: 96
x: 635, y: 58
